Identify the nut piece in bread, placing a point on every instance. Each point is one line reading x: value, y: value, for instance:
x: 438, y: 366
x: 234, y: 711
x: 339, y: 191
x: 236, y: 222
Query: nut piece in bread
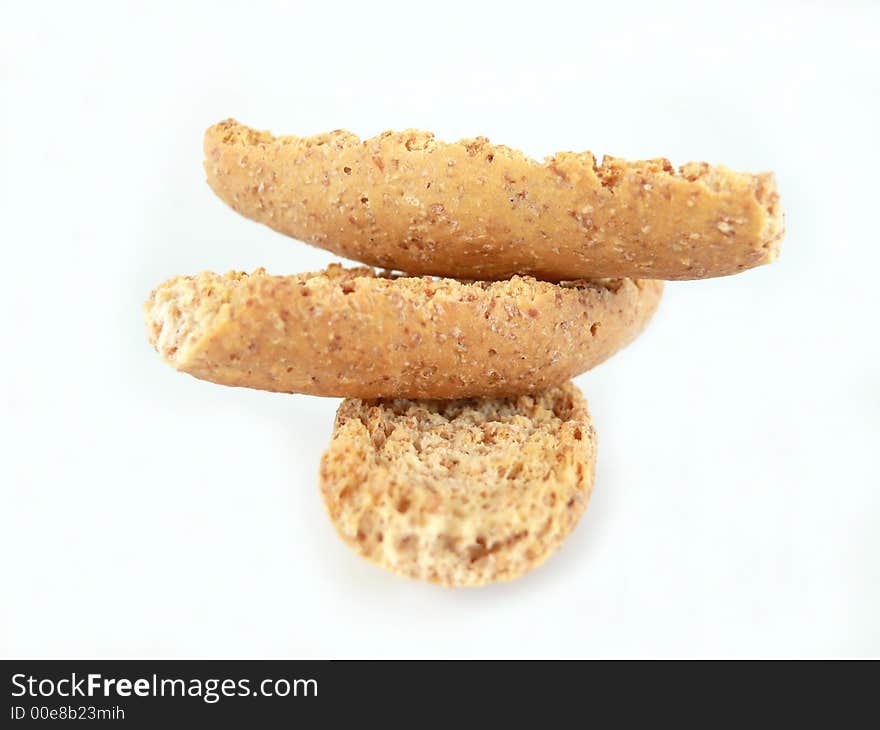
x: 462, y: 492
x: 470, y: 209
x: 351, y: 333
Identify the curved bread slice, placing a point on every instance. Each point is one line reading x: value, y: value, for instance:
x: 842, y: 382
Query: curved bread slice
x: 350, y: 333
x: 460, y: 493
x: 470, y: 209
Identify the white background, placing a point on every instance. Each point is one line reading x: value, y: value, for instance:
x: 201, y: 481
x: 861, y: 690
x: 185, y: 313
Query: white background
x: 145, y: 513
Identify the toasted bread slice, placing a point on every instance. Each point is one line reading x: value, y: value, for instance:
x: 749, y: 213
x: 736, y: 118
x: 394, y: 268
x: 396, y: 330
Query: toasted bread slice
x: 351, y: 333
x: 474, y: 210
x: 460, y: 493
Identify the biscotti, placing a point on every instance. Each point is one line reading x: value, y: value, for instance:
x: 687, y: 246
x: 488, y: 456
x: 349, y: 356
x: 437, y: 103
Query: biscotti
x: 460, y: 493
x: 470, y: 209
x: 351, y: 333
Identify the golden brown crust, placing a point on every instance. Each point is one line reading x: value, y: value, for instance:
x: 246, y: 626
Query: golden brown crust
x: 349, y: 333
x: 405, y: 201
x: 460, y: 493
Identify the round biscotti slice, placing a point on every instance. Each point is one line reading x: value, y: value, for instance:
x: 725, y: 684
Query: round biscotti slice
x: 351, y: 333
x: 460, y: 492
x: 474, y: 210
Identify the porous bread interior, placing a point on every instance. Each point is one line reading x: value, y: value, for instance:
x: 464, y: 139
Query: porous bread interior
x: 179, y: 311
x: 460, y: 493
x: 455, y: 444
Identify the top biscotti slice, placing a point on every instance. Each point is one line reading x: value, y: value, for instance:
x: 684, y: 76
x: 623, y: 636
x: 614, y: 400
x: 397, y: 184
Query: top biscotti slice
x: 350, y: 333
x: 470, y: 209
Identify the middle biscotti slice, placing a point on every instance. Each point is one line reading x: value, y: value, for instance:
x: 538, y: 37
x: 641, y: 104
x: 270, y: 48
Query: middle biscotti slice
x: 355, y: 333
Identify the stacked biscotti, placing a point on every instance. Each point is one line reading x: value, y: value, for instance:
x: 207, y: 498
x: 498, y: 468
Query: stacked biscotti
x: 462, y: 454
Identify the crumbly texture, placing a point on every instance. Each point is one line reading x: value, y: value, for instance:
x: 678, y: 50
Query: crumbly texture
x: 474, y: 210
x: 462, y: 492
x: 353, y: 333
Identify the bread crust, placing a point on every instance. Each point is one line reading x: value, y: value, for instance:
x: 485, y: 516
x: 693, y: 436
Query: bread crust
x: 351, y: 333
x: 460, y: 493
x: 471, y: 209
